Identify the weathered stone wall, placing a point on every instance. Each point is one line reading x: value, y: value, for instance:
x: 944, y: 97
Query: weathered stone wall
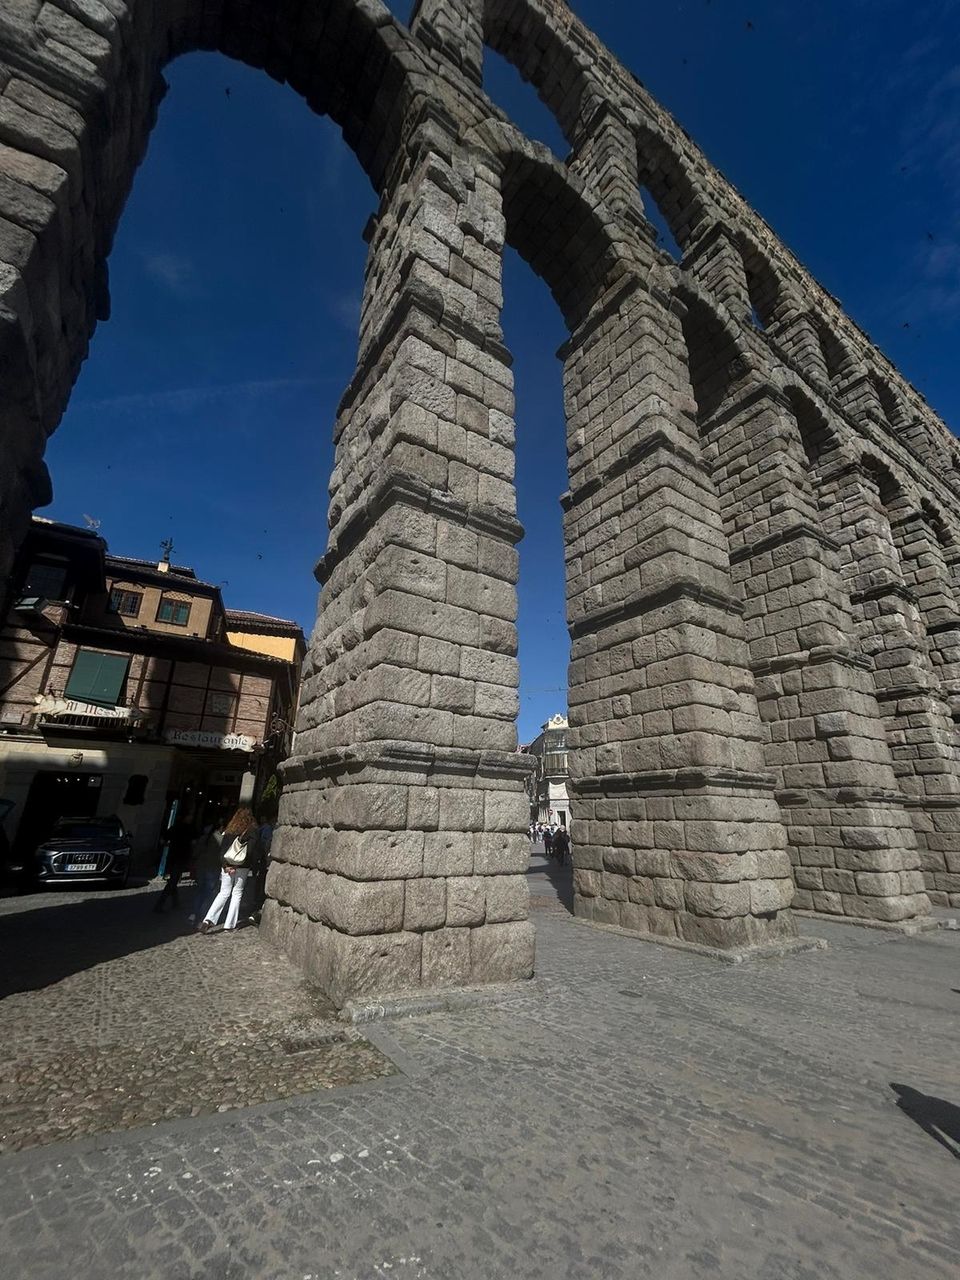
x: 762, y: 525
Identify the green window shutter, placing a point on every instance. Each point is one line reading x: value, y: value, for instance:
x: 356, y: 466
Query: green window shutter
x: 97, y: 677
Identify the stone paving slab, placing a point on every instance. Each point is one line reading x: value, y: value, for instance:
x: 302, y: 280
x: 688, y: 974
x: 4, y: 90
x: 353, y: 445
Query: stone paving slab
x: 113, y: 1017
x: 638, y: 1112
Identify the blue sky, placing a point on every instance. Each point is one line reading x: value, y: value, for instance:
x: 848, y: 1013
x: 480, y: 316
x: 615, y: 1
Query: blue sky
x: 206, y: 407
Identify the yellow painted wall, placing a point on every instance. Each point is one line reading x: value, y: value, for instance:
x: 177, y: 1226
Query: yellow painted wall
x: 274, y: 646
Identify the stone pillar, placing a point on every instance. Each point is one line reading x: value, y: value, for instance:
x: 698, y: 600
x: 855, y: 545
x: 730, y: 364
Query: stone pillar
x: 797, y: 336
x: 455, y: 29
x: 918, y: 724
x: 606, y: 155
x: 398, y: 860
x: 716, y: 261
x: 927, y: 576
x: 678, y: 831
x: 851, y: 842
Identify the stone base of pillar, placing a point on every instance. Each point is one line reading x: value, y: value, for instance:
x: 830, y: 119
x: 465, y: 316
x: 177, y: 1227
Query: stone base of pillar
x: 909, y: 928
x: 728, y: 955
x: 937, y: 821
x: 689, y: 855
x: 397, y: 869
x: 855, y: 855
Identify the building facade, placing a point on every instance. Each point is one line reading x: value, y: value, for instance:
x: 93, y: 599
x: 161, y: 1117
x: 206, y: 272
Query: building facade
x: 547, y: 785
x: 127, y: 688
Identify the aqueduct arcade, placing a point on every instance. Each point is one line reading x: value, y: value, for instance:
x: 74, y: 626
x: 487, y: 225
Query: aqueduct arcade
x: 762, y: 526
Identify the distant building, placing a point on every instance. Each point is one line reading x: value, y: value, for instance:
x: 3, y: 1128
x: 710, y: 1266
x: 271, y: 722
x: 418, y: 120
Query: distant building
x: 547, y: 786
x: 126, y: 687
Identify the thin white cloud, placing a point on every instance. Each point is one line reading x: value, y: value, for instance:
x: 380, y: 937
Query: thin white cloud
x: 345, y: 309
x: 172, y: 271
x: 188, y: 399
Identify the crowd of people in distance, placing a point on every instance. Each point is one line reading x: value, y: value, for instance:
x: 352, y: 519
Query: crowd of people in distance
x: 555, y: 840
x: 228, y: 861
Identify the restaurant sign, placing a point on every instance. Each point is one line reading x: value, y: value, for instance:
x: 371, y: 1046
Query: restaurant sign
x: 215, y: 741
x: 57, y: 707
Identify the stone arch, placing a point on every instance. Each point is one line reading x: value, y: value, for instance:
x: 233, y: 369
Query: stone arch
x: 935, y: 519
x: 892, y: 492
x: 84, y: 126
x: 816, y: 432
x: 546, y: 58
x: 764, y: 287
x: 717, y: 356
x: 561, y: 233
x: 891, y: 405
x: 837, y: 356
x: 663, y: 173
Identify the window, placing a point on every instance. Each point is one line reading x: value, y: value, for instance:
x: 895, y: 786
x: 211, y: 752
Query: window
x: 47, y: 580
x: 175, y: 611
x: 98, y: 677
x: 126, y: 602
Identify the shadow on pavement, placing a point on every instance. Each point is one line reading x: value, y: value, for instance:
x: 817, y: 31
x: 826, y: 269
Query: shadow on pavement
x: 42, y: 944
x: 560, y: 879
x: 941, y: 1120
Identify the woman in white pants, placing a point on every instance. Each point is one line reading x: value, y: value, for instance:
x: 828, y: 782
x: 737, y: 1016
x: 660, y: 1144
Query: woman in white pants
x: 240, y: 855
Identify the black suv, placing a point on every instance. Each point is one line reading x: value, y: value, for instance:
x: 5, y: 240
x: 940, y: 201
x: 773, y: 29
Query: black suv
x: 84, y: 850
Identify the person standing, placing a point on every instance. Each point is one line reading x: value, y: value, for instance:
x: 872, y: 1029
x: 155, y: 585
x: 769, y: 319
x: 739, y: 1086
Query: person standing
x: 208, y: 852
x: 239, y: 859
x: 561, y: 845
x: 178, y: 859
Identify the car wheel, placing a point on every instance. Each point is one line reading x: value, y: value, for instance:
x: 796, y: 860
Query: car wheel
x: 123, y: 881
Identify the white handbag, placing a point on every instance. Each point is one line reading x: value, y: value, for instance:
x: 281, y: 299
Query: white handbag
x: 236, y: 855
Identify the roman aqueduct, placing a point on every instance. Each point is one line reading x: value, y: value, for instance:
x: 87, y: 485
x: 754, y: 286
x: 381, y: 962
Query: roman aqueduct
x: 762, y: 526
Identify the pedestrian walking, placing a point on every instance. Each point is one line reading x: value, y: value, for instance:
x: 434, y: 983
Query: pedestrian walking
x: 561, y: 845
x: 239, y: 859
x: 256, y: 894
x: 207, y: 860
x: 548, y: 842
x: 178, y: 860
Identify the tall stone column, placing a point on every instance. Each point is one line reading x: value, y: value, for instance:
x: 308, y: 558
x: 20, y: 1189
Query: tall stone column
x: 716, y: 261
x: 918, y: 724
x: 921, y: 546
x: 606, y: 156
x: 925, y: 572
x: 851, y: 842
x: 798, y: 339
x: 677, y: 829
x: 398, y: 860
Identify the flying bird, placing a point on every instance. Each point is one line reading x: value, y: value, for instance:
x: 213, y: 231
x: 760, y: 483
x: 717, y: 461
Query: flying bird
x: 227, y: 91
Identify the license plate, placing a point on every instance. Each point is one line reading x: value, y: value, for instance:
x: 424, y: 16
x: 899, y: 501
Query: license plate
x: 81, y: 866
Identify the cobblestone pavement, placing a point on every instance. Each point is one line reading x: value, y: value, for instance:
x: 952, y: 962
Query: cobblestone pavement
x: 637, y: 1111
x: 112, y: 1016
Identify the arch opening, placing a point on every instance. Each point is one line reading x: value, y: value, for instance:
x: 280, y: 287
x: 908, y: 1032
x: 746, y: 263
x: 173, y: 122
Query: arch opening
x: 542, y: 58
x: 816, y: 435
x: 673, y: 199
x: 504, y: 84
x: 763, y: 289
